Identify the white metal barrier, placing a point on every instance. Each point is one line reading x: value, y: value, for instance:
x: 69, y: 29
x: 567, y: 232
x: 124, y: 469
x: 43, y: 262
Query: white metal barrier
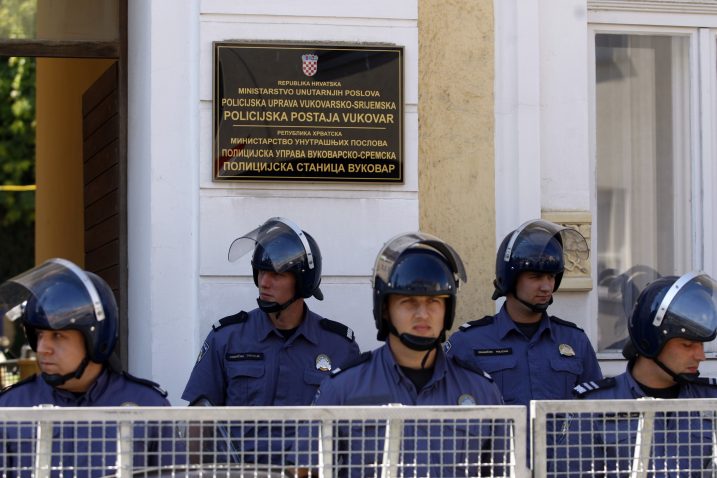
x: 624, y: 438
x: 392, y: 441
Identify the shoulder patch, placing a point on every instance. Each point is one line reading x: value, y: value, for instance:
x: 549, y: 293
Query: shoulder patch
x: 337, y: 328
x: 364, y: 357
x: 487, y: 320
x: 471, y: 366
x: 708, y: 381
x: 564, y: 322
x: 25, y: 380
x: 230, y: 320
x: 145, y: 382
x: 585, y: 388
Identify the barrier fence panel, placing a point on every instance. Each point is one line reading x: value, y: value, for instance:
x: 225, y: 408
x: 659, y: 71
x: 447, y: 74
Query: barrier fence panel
x: 392, y: 441
x: 624, y: 438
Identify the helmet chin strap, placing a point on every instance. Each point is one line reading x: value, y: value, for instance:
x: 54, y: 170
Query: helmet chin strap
x: 537, y: 308
x: 274, y: 307
x: 419, y: 344
x: 681, y: 378
x: 55, y: 379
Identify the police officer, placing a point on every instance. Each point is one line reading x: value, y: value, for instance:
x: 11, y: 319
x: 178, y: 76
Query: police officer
x: 530, y: 354
x: 279, y: 353
x: 70, y: 319
x: 415, y: 285
x: 672, y: 319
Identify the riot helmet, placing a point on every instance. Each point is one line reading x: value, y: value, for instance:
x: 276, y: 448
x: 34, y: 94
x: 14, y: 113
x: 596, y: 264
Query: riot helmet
x: 279, y: 245
x: 672, y: 307
x: 416, y: 264
x: 536, y: 246
x: 59, y: 295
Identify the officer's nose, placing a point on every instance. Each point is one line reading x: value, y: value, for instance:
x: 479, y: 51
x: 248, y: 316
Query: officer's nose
x: 43, y: 346
x: 547, y: 283
x: 264, y: 279
x: 700, y: 351
x: 422, y: 310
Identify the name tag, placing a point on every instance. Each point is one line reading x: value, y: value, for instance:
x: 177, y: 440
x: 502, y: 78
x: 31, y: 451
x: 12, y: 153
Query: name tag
x: 238, y: 356
x: 484, y: 352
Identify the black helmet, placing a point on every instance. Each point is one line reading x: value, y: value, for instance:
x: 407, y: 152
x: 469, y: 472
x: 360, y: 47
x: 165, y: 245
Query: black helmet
x: 416, y: 264
x: 279, y: 245
x: 59, y: 295
x: 536, y: 246
x: 672, y: 307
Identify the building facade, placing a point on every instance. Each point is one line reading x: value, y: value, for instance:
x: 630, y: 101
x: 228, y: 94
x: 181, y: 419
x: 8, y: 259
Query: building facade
x: 596, y: 114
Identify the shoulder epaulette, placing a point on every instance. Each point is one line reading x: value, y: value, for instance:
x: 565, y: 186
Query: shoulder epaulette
x: 337, y: 328
x: 146, y: 382
x: 471, y: 366
x: 564, y: 322
x: 585, y: 388
x: 232, y: 319
x: 364, y: 357
x: 25, y: 380
x: 487, y: 320
x: 708, y: 381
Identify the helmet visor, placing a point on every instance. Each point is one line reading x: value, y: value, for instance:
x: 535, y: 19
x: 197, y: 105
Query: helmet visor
x: 60, y: 288
x: 534, y: 240
x: 393, y: 249
x: 691, y: 303
x: 265, y: 234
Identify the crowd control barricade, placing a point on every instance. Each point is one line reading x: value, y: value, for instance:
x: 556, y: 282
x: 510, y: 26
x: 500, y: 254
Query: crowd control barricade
x: 386, y: 441
x: 624, y: 438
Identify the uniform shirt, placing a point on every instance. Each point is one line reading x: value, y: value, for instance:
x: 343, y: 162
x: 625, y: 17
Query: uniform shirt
x: 545, y: 367
x: 83, y: 450
x: 682, y: 441
x: 378, y: 380
x: 246, y: 361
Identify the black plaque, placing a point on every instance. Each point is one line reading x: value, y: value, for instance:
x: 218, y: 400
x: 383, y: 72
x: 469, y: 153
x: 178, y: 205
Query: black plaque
x: 308, y: 112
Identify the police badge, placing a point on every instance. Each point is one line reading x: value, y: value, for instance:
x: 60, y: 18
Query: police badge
x: 309, y: 64
x: 466, y: 399
x: 323, y: 363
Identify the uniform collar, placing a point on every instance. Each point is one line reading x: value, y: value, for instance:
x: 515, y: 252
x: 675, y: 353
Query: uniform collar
x: 439, y: 369
x: 632, y: 384
x: 505, y: 324
x: 687, y: 390
x: 308, y: 328
x: 66, y: 398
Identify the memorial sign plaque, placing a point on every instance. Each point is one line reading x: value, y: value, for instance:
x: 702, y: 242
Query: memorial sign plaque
x: 308, y: 112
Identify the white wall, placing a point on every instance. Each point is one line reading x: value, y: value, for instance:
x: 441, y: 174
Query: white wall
x: 181, y: 223
x: 542, y: 157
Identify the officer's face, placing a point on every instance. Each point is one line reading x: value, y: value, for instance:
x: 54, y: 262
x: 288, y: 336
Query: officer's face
x: 682, y: 355
x: 419, y: 315
x: 276, y: 286
x: 60, y: 351
x: 535, y: 287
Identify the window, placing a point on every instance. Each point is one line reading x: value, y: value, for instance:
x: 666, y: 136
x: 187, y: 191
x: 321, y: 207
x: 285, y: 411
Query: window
x: 643, y: 170
x: 653, y: 126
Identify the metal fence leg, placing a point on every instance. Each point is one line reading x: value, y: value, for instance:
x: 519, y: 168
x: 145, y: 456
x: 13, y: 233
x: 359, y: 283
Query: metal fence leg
x: 124, y: 450
x: 539, y: 444
x: 643, y: 445
x: 392, y: 448
x: 326, y: 449
x: 43, y: 455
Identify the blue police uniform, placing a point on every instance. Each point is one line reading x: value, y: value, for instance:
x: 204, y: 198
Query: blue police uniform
x: 378, y: 380
x: 246, y: 361
x: 683, y: 442
x: 79, y: 449
x: 545, y: 367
